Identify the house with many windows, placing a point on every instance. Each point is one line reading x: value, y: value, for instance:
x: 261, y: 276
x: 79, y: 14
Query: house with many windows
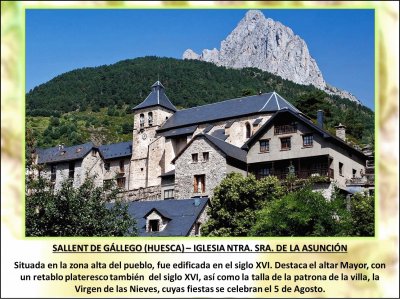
x: 184, y: 154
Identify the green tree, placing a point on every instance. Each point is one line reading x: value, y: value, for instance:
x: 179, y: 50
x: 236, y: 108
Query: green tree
x: 126, y: 128
x: 54, y: 121
x: 235, y: 203
x: 75, y: 212
x: 362, y: 215
x: 299, y: 213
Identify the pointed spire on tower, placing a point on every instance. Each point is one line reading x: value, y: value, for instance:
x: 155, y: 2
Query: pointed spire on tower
x: 157, y: 97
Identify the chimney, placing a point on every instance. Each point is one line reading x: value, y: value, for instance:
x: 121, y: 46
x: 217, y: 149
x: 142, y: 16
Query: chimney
x: 341, y: 131
x: 320, y: 119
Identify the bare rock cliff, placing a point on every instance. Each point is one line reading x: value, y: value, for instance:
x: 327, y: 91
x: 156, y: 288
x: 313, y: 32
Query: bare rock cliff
x: 270, y: 46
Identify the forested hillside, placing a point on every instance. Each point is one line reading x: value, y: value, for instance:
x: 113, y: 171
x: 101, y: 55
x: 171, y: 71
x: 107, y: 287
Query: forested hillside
x: 94, y: 103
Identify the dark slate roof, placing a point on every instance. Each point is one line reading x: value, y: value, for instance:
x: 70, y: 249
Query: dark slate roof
x: 219, y: 133
x: 183, y: 214
x: 70, y: 153
x: 160, y: 211
x: 208, y: 128
x: 230, y: 123
x: 169, y: 173
x: 180, y: 131
x: 267, y: 102
x: 257, y: 121
x: 305, y: 121
x: 227, y: 148
x: 157, y: 97
x: 116, y: 150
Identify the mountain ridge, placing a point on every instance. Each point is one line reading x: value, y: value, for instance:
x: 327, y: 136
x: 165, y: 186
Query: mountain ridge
x: 269, y: 45
x: 189, y: 83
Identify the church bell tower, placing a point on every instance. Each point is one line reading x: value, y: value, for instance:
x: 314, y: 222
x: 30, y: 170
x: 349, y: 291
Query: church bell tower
x: 146, y: 152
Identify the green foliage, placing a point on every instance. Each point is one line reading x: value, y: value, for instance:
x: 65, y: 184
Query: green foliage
x: 80, y: 127
x: 299, y: 213
x: 244, y: 206
x: 362, y: 215
x: 235, y: 202
x: 75, y: 212
x: 189, y: 83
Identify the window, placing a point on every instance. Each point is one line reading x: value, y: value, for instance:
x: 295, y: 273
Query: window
x: 197, y: 229
x: 285, y: 129
x: 53, y: 173
x: 206, y: 156
x: 195, y: 158
x: 340, y: 168
x: 71, y: 172
x: 107, y: 166
x: 248, y: 130
x: 263, y: 172
x: 93, y: 153
x: 308, y: 140
x: 285, y: 143
x: 141, y: 118
x: 354, y: 173
x: 154, y: 225
x: 121, y: 166
x: 264, y: 146
x: 199, y: 183
x: 121, y: 182
x: 169, y: 194
x: 150, y: 119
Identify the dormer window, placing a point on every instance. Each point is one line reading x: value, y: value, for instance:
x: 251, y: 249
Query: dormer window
x: 155, y: 221
x: 150, y: 119
x: 141, y: 118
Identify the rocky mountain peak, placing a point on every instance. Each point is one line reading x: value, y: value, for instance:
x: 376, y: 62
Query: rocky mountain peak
x: 269, y: 45
x: 254, y: 15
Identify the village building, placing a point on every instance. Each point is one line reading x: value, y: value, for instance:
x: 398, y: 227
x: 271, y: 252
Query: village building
x: 176, y: 155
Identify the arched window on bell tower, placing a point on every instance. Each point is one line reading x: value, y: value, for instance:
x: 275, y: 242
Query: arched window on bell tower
x: 150, y: 119
x: 141, y: 119
x: 248, y: 130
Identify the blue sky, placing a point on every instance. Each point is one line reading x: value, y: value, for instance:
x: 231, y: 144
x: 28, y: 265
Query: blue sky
x: 57, y: 41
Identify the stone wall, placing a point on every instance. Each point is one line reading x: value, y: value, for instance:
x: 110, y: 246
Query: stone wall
x: 237, y: 131
x: 143, y: 194
x: 91, y: 166
x: 114, y: 170
x: 214, y: 169
x: 147, y: 166
x: 326, y: 189
x: 201, y: 220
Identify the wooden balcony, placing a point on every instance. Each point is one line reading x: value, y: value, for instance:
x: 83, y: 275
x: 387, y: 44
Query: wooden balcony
x: 303, y: 174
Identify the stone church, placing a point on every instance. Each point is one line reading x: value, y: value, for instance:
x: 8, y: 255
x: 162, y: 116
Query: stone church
x: 184, y: 154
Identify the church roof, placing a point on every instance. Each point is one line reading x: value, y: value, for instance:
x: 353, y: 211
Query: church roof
x: 267, y: 102
x: 157, y: 97
x: 116, y: 150
x: 179, y: 132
